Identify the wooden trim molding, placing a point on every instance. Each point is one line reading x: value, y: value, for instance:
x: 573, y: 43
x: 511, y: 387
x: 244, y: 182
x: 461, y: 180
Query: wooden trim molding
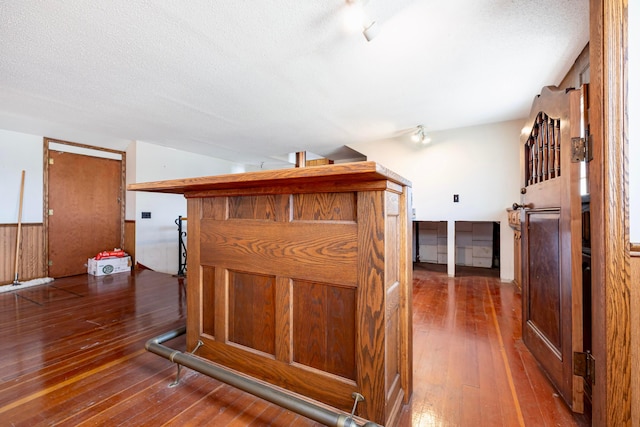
x: 130, y: 239
x: 635, y: 335
x: 611, y: 291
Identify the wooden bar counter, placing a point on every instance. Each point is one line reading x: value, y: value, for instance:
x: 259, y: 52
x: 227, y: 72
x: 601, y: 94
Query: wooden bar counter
x: 302, y: 278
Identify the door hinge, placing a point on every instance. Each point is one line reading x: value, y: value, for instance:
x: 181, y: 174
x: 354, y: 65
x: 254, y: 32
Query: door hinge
x: 50, y: 263
x: 50, y: 160
x: 581, y: 149
x: 584, y: 365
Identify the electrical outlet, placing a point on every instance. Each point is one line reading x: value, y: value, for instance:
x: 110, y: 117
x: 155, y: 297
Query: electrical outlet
x: 456, y: 198
x: 146, y: 215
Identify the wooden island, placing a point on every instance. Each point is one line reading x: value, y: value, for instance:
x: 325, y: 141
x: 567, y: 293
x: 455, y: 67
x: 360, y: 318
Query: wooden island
x: 302, y: 278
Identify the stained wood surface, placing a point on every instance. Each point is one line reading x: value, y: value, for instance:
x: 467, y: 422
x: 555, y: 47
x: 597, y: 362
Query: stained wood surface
x: 31, y: 263
x: 335, y: 175
x: 551, y: 241
x: 130, y: 239
x: 85, y: 196
x: 73, y: 355
x: 612, y: 394
x: 300, y: 278
x: 635, y: 332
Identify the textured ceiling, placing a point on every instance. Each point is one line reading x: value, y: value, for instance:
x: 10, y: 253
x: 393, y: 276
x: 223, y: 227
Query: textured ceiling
x: 251, y: 81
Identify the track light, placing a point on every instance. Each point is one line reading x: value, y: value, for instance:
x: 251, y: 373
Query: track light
x: 419, y: 136
x: 371, y: 30
x: 356, y: 19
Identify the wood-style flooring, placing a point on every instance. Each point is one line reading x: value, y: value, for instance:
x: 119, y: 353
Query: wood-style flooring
x: 72, y: 354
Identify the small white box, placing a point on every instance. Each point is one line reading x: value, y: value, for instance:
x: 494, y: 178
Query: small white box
x: 106, y: 266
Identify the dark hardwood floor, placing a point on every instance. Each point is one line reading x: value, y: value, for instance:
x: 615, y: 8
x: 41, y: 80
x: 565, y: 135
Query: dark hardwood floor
x: 72, y: 353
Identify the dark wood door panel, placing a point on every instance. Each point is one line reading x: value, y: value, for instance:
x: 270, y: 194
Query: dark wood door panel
x: 544, y: 301
x: 552, y: 300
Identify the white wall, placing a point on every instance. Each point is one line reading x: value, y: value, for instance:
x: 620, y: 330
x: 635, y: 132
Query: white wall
x: 18, y: 152
x: 481, y: 164
x: 634, y: 120
x: 157, y: 238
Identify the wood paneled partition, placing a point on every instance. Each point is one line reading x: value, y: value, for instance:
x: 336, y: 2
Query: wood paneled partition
x: 31, y: 264
x: 302, y: 278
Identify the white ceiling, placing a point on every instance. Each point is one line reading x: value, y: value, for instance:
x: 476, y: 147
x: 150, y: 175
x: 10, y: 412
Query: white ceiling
x: 251, y: 81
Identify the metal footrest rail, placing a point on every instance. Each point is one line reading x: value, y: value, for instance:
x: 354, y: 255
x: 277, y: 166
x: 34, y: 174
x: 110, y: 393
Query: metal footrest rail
x: 303, y: 407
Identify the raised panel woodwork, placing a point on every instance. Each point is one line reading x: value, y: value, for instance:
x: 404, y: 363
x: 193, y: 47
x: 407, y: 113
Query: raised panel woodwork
x: 268, y: 208
x: 208, y: 301
x: 302, y: 250
x: 31, y: 262
x: 302, y: 278
x: 324, y: 327
x: 324, y: 207
x: 392, y: 251
x: 214, y: 208
x: 252, y: 311
x: 544, y: 276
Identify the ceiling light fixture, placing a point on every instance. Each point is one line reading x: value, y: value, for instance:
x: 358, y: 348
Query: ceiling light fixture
x: 371, y: 30
x: 356, y: 18
x: 419, y: 136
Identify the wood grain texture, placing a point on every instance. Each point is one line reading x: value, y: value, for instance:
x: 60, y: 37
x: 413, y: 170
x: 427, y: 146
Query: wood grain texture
x: 311, y: 281
x: 341, y: 174
x: 609, y: 210
x: 31, y: 263
x: 551, y: 240
x: 252, y: 311
x: 85, y: 196
x: 324, y: 327
x: 269, y: 207
x: 635, y: 333
x: 324, y: 207
x: 370, y: 321
x: 209, y: 302
x: 284, y: 319
x: 299, y: 249
x: 195, y: 209
x: 315, y: 384
x: 406, y: 295
x: 67, y: 364
x: 544, y: 298
x: 130, y: 239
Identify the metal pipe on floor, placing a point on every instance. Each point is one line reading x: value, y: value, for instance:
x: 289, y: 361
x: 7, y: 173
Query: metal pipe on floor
x: 287, y: 401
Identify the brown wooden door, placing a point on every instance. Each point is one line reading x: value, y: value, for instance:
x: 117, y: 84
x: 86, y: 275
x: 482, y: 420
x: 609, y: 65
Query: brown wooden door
x: 552, y: 240
x: 84, y: 210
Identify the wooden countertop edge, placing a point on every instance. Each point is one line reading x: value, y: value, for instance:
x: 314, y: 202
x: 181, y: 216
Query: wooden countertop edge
x: 345, y: 172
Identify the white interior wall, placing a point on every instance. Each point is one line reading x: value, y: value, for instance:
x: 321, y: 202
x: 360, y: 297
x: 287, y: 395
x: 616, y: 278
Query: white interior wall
x: 481, y: 164
x: 157, y: 237
x: 18, y: 152
x: 633, y: 101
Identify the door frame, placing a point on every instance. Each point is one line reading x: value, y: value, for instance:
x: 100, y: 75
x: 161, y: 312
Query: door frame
x: 610, y: 245
x: 45, y: 190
